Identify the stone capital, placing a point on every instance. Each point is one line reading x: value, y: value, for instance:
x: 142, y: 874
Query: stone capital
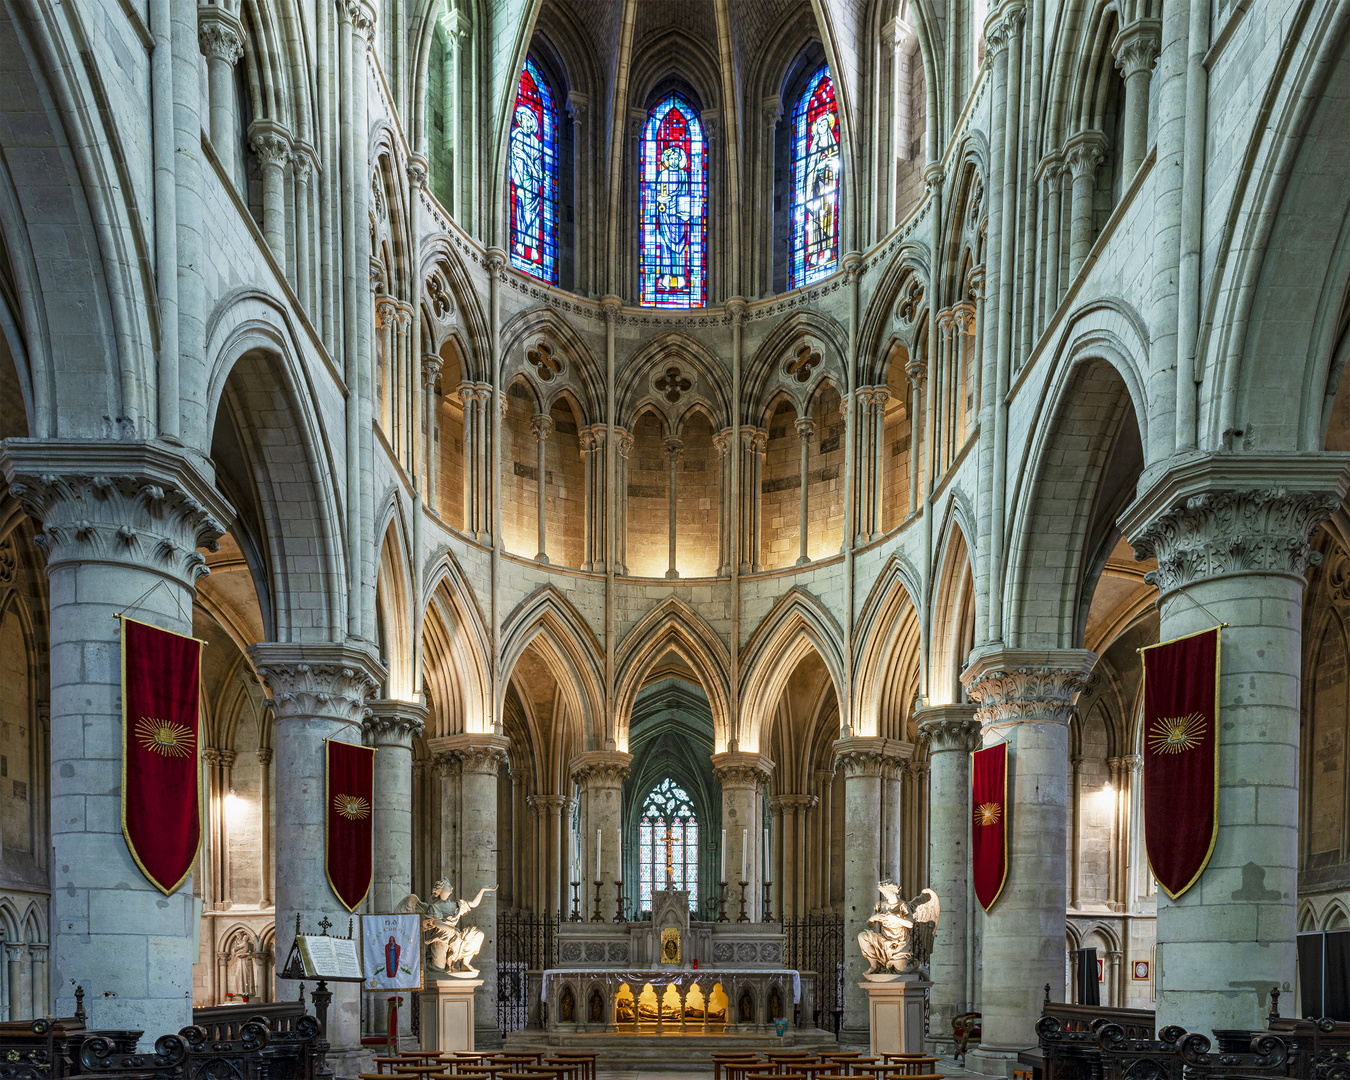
x: 736, y: 307
x: 1036, y: 686
x: 325, y: 681
x: 949, y: 727
x: 394, y: 723
x: 265, y: 755
x: 1136, y: 46
x: 1215, y: 515
x: 795, y: 803
x: 541, y: 426
x: 417, y: 171
x: 145, y: 505
x: 722, y: 442
x: 871, y: 756
x: 806, y: 427
x: 674, y: 450
x: 610, y: 305
x: 916, y: 370
x: 741, y: 768
x: 600, y: 768
x: 933, y: 175
x: 545, y: 803
x: 496, y: 261
x: 623, y: 442
x: 386, y: 311
x: 591, y: 439
x: 220, y: 35
x: 271, y: 142
x: 1084, y: 152
x: 472, y: 753
x: 431, y: 371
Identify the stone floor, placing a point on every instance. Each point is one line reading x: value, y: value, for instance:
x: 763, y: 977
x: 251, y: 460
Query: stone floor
x: 686, y: 1071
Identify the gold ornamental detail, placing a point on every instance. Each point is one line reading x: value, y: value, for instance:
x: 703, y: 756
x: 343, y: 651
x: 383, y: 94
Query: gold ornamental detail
x: 1176, y: 734
x: 988, y: 813
x: 352, y: 807
x: 164, y: 737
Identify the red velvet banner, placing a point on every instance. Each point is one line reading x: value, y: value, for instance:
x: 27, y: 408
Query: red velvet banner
x: 161, y: 788
x: 349, y: 797
x: 989, y: 827
x: 1181, y: 757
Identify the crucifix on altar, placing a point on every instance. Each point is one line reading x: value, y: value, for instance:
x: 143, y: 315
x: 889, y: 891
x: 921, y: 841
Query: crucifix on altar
x: 670, y: 864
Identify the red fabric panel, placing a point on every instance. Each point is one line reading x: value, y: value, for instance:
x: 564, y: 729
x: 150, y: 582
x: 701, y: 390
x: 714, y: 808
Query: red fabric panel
x: 989, y: 825
x: 350, y: 798
x: 1181, y: 757
x: 161, y: 792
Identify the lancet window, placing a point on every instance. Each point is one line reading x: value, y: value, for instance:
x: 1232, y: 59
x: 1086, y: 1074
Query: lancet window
x: 667, y: 844
x: 816, y: 168
x: 533, y: 153
x: 673, y: 206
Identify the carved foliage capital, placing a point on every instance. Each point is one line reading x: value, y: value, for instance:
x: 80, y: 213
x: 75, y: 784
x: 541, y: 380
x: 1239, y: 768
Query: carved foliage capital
x: 271, y: 143
x: 150, y: 508
x: 1136, y: 47
x: 219, y: 35
x: 483, y: 754
x: 1084, y: 152
x: 949, y: 728
x: 601, y: 769
x: 1217, y: 533
x: 1013, y: 686
x: 740, y: 769
x: 870, y: 756
x: 331, y: 682
x: 394, y: 723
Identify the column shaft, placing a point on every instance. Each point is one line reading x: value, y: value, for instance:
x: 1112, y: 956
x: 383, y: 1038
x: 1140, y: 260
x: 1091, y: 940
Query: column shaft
x: 806, y: 427
x: 599, y: 774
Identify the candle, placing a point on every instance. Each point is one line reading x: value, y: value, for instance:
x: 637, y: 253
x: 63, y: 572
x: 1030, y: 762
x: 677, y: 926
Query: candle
x: 767, y: 862
x: 723, y: 875
x: 618, y: 851
x: 745, y: 850
x: 597, y: 854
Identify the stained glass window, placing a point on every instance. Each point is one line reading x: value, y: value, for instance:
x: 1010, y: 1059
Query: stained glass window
x: 815, y: 181
x: 667, y: 844
x: 674, y: 207
x: 533, y: 154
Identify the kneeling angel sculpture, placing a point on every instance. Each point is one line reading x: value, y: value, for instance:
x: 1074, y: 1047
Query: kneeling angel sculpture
x: 901, y: 938
x: 452, y: 948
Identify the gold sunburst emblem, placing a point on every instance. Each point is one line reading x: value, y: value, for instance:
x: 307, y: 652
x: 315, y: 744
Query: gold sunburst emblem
x: 988, y: 813
x: 1175, y: 734
x: 352, y: 807
x: 164, y: 737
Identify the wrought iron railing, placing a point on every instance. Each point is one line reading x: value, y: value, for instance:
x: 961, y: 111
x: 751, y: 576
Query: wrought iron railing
x: 525, y: 942
x: 816, y: 943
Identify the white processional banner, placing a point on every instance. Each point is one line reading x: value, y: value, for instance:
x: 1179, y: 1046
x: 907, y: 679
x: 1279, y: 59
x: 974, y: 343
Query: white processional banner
x: 393, y: 951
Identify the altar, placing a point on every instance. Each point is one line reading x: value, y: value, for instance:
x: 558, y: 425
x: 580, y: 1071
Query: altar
x: 673, y: 977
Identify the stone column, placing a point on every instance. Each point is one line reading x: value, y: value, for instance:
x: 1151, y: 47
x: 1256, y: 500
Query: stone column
x: 806, y: 427
x: 599, y: 776
x: 880, y: 396
x: 265, y: 830
x: 221, y: 38
x: 431, y: 372
x: 793, y: 864
x: 942, y: 441
x: 674, y: 451
x: 623, y: 443
x: 123, y: 533
x: 862, y: 454
x: 864, y: 761
x: 1075, y: 829
x: 316, y: 692
x: 541, y: 427
x: 386, y: 312
x: 272, y: 143
x: 722, y: 443
x: 1025, y: 697
x: 952, y: 733
x: 743, y: 776
x: 301, y: 169
x: 1136, y: 50
x: 478, y: 760
x: 892, y: 809
x: 468, y: 396
x: 754, y: 441
x: 1082, y: 154
x: 391, y: 726
x: 593, y: 454
x: 1230, y: 534
x: 916, y: 371
x: 1052, y: 172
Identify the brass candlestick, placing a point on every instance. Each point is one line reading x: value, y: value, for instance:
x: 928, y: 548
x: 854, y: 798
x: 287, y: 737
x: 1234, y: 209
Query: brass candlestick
x: 618, y: 901
x: 576, y: 904
x: 596, y: 917
x: 743, y: 917
x: 768, y: 901
x: 722, y: 902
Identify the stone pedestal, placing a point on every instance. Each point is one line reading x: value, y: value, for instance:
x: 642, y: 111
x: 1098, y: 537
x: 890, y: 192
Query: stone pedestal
x: 447, y: 1014
x: 895, y: 1011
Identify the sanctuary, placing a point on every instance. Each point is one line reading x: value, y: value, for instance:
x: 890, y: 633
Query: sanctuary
x: 537, y: 509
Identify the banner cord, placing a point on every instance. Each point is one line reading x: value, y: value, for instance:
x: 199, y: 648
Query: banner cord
x: 141, y: 599
x: 1218, y: 622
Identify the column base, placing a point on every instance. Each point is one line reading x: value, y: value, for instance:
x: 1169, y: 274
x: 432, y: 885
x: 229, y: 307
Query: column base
x: 895, y: 1009
x: 992, y: 1060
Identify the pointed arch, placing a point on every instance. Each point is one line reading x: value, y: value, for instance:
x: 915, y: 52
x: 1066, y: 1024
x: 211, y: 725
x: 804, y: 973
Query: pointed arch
x: 673, y: 627
x: 395, y: 600
x: 798, y: 624
x: 886, y: 653
x: 456, y: 674
x: 952, y: 615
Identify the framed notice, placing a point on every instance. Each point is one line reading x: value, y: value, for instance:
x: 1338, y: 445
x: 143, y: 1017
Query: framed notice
x: 392, y: 948
x: 1101, y: 970
x: 317, y: 956
x: 1139, y: 970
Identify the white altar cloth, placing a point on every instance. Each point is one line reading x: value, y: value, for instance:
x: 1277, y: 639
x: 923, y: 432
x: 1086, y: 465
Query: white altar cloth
x: 670, y: 976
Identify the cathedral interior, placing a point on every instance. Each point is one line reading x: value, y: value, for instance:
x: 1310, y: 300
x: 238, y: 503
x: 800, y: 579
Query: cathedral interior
x: 676, y: 434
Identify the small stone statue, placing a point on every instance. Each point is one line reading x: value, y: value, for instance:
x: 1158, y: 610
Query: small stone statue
x: 245, y: 980
x: 452, y: 948
x: 902, y: 938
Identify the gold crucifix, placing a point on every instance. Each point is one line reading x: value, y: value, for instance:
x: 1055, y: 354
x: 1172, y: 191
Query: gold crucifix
x: 670, y: 865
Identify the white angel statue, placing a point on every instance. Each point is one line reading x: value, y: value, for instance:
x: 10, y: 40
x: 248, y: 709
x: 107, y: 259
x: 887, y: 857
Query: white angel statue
x: 452, y: 948
x: 902, y: 935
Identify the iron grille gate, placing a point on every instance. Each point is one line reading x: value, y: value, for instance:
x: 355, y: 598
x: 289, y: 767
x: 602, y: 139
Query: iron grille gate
x: 525, y: 942
x: 816, y: 943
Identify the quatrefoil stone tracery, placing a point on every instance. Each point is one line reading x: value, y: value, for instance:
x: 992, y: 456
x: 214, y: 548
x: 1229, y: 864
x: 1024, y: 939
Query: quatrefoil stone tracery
x: 802, y: 364
x: 545, y: 364
x: 672, y: 383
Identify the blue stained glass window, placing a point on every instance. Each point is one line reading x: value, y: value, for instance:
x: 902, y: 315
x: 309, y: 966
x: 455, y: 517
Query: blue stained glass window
x: 816, y: 166
x: 668, y: 844
x: 533, y: 154
x: 672, y: 266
